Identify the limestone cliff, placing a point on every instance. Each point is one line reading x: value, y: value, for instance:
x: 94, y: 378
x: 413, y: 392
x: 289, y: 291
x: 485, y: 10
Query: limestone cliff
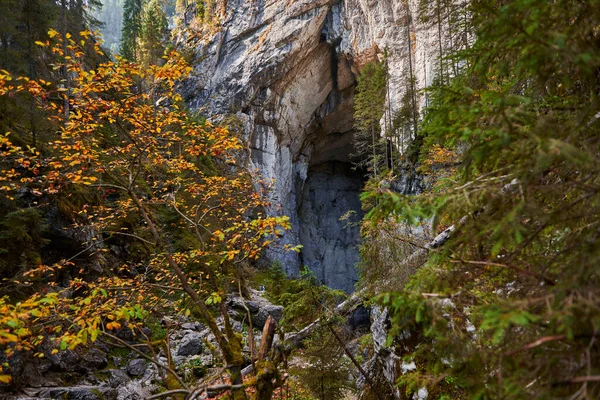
x: 287, y: 70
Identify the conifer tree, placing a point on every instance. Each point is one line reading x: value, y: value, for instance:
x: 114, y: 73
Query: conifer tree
x: 154, y: 33
x: 369, y: 107
x: 132, y: 28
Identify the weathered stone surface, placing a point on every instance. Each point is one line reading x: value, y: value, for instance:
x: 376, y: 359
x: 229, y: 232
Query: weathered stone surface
x: 193, y: 326
x: 384, y: 359
x: 77, y: 393
x: 190, y: 345
x: 259, y: 307
x: 137, y: 367
x: 82, y: 360
x: 134, y: 390
x: 260, y: 319
x: 329, y: 235
x: 117, y: 377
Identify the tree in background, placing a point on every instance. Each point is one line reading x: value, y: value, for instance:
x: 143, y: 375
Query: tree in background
x: 81, y: 14
x: 22, y: 23
x: 325, y: 369
x: 369, y: 106
x: 111, y: 17
x: 154, y: 34
x: 132, y: 28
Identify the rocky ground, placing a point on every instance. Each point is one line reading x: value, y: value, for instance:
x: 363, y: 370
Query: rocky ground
x: 118, y: 373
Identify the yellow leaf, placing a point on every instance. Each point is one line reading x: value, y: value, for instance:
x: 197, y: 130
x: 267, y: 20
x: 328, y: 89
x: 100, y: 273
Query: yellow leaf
x: 113, y: 325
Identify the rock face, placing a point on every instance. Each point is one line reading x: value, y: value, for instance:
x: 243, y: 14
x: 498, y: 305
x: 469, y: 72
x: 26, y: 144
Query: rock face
x: 259, y: 307
x: 190, y: 345
x: 287, y: 70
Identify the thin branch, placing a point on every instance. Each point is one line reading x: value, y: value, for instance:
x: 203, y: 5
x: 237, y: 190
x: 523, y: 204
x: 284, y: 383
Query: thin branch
x: 169, y: 393
x: 133, y: 236
x: 579, y: 379
x: 537, y: 343
x: 108, y: 185
x: 514, y: 268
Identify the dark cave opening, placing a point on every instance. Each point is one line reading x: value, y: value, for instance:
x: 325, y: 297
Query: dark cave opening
x: 329, y: 212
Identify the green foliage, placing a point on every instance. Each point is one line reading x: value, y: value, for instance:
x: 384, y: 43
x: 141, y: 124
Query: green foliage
x: 326, y: 370
x: 154, y: 33
x: 304, y: 299
x: 509, y: 307
x: 404, y: 126
x: 132, y: 28
x: 369, y: 103
x: 205, y: 11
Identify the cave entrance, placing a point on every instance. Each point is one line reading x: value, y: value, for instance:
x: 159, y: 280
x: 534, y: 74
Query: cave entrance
x: 329, y: 212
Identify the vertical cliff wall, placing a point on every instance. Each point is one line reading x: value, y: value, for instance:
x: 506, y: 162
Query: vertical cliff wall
x: 287, y: 70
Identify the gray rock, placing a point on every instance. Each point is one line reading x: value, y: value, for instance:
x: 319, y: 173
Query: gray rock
x: 253, y: 306
x: 207, y: 360
x: 330, y: 241
x: 82, y: 360
x: 134, y: 390
x: 117, y: 360
x: 237, y: 326
x: 379, y: 329
x: 261, y: 317
x: 94, y: 359
x: 137, y: 367
x: 67, y: 360
x: 117, y: 377
x: 178, y: 360
x: 193, y: 326
x: 83, y: 394
x: 190, y: 345
x: 78, y: 393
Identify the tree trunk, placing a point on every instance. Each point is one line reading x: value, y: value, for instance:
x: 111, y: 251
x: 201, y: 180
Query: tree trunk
x: 266, y: 342
x: 231, y: 351
x: 412, y: 88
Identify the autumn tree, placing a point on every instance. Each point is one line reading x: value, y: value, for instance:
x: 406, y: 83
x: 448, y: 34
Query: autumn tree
x: 129, y: 136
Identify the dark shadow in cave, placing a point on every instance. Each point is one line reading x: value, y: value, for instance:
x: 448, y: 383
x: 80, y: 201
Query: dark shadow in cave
x: 329, y: 212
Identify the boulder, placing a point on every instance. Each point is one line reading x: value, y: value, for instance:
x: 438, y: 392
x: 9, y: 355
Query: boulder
x: 259, y: 307
x: 190, y: 345
x: 117, y: 377
x: 193, y: 326
x: 260, y: 319
x: 137, y: 367
x: 82, y: 360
